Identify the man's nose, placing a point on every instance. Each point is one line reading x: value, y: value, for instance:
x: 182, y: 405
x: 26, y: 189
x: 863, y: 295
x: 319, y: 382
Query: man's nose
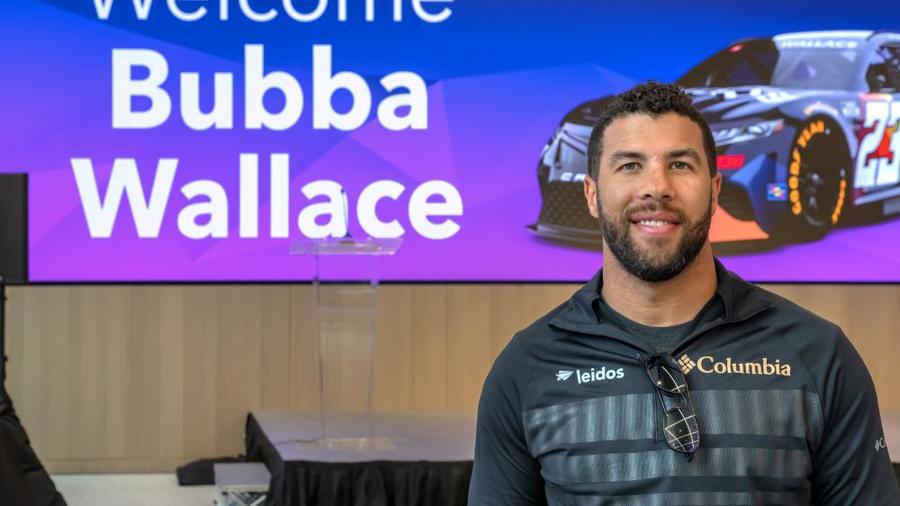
x: 657, y: 183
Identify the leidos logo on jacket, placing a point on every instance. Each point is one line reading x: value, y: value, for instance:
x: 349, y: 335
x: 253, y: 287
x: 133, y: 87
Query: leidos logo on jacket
x: 708, y: 364
x: 593, y: 375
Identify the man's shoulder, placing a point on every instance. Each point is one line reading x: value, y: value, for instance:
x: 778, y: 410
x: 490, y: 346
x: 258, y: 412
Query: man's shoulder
x: 781, y: 313
x: 788, y: 315
x: 818, y: 342
x: 529, y: 345
x: 542, y: 330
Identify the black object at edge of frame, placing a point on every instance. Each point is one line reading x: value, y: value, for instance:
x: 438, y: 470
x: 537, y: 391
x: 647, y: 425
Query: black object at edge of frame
x: 14, y: 228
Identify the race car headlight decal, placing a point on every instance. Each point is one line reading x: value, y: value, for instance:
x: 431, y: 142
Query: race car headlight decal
x: 730, y: 162
x: 734, y: 135
x: 571, y: 157
x: 551, y: 140
x: 567, y: 149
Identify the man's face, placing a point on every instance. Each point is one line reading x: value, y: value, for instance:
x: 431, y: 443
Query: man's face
x: 654, y: 196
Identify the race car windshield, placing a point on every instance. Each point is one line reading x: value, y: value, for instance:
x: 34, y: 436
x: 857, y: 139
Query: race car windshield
x: 760, y: 63
x: 819, y: 69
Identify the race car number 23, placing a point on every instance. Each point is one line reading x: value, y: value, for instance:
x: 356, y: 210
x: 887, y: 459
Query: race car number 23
x: 876, y: 162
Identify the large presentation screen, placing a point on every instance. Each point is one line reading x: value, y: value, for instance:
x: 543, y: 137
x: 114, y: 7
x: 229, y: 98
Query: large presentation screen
x: 195, y: 141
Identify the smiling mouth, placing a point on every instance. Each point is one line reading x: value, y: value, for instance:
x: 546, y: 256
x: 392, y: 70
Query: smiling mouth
x: 654, y: 223
x: 656, y: 228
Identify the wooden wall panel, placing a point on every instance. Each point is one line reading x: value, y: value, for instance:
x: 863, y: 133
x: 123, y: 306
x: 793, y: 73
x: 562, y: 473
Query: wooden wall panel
x: 428, y: 343
x: 303, y: 373
x: 143, y: 378
x: 469, y: 351
x: 394, y: 356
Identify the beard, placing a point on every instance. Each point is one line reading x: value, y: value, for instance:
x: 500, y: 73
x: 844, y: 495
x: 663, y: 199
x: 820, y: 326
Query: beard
x: 654, y: 266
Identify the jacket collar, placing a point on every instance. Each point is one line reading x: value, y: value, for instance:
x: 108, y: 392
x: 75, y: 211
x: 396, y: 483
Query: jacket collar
x: 741, y: 299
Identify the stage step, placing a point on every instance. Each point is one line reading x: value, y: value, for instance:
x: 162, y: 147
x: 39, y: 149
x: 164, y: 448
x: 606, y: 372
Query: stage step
x: 241, y: 484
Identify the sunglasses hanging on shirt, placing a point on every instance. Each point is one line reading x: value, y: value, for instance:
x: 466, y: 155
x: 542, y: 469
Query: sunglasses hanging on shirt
x: 680, y: 424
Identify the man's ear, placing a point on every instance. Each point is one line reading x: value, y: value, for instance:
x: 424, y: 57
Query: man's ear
x: 590, y: 195
x: 715, y: 189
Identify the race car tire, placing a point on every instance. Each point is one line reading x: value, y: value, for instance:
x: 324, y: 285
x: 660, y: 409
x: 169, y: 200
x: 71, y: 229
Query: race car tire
x: 818, y: 181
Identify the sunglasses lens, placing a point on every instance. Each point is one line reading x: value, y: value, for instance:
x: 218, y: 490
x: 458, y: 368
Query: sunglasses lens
x: 682, y: 432
x: 668, y: 378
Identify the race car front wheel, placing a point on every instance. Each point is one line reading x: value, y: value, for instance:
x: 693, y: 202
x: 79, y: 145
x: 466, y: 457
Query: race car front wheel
x: 818, y: 175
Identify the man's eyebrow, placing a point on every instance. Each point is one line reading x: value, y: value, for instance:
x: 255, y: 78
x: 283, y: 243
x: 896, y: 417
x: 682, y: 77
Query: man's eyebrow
x: 626, y: 155
x: 685, y: 152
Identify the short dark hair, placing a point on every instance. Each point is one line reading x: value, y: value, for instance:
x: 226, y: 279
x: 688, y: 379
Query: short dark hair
x: 653, y: 99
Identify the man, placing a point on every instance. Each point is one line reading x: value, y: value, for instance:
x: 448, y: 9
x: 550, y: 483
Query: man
x: 23, y: 479
x: 667, y: 379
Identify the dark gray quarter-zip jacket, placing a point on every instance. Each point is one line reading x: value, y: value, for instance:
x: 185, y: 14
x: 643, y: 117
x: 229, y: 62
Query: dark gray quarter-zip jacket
x: 786, y: 409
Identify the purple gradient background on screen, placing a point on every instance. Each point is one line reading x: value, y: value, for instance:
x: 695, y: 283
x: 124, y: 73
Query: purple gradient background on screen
x: 486, y: 130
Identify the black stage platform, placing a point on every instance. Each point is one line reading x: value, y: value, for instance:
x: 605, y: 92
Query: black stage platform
x: 430, y: 463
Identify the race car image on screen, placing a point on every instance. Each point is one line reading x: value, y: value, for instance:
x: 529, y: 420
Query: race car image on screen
x: 804, y: 126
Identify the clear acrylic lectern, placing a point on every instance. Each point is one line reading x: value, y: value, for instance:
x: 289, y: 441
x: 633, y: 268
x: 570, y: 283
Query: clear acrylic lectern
x: 345, y: 283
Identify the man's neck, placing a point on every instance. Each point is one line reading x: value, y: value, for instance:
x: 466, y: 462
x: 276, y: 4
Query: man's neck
x: 661, y: 304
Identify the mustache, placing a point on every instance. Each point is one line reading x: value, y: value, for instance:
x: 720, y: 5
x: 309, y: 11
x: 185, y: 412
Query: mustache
x: 652, y: 207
